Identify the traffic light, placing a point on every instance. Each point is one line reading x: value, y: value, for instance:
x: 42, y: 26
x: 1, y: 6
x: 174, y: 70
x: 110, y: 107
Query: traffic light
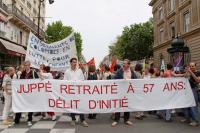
x: 51, y: 1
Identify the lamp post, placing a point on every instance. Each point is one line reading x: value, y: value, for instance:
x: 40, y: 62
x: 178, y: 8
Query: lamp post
x: 40, y: 2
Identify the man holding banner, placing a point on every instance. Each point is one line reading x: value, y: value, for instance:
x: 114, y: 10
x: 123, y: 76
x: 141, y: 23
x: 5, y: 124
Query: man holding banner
x: 194, y: 80
x: 124, y: 73
x: 27, y: 74
x: 75, y: 74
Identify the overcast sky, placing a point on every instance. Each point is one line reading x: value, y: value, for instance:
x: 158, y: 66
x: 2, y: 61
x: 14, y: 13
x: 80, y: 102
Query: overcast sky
x: 98, y: 21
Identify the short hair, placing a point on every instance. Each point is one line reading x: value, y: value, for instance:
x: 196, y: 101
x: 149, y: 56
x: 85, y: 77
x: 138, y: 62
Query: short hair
x: 73, y: 59
x: 27, y: 62
x: 129, y: 62
x: 117, y: 67
x: 194, y: 63
x: 107, y: 68
x: 151, y: 71
x: 91, y: 69
x: 138, y: 67
x: 169, y: 66
x: 9, y: 69
x: 47, y: 69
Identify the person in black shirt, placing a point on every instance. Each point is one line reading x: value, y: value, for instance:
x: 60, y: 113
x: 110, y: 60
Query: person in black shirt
x: 194, y: 80
x: 92, y: 75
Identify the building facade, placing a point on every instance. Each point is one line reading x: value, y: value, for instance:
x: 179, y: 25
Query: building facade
x: 176, y: 18
x: 17, y: 19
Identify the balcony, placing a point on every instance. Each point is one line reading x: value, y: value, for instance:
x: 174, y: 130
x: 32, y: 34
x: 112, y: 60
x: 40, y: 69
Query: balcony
x: 20, y: 17
x: 3, y: 6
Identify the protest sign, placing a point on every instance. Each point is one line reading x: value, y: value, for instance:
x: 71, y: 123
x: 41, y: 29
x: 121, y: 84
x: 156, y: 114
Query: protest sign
x: 101, y: 96
x: 55, y: 55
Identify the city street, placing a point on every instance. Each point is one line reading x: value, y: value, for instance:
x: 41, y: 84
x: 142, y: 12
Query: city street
x: 59, y: 58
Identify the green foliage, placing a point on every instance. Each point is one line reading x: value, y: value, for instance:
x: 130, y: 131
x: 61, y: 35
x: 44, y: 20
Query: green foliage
x: 56, y: 31
x: 135, y: 43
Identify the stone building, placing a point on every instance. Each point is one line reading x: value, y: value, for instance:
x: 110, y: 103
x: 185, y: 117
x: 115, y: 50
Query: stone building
x: 172, y: 18
x: 17, y: 19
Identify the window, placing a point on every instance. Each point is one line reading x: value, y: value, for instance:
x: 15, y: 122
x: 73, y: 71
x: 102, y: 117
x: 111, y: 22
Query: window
x: 172, y: 30
x: 21, y: 8
x: 161, y: 35
x: 43, y: 4
x: 29, y: 5
x: 2, y: 27
x: 171, y: 5
x: 20, y: 39
x: 12, y: 35
x: 34, y: 11
x: 161, y: 13
x: 181, y: 1
x: 15, y: 34
x: 42, y: 19
x: 34, y: 20
x: 186, y: 21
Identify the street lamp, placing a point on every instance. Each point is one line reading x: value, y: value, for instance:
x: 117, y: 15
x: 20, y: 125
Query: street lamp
x: 179, y: 53
x: 40, y: 2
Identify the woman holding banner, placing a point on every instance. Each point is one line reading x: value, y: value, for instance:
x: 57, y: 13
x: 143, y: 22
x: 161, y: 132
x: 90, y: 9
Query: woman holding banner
x: 45, y: 74
x: 169, y: 73
x: 138, y: 73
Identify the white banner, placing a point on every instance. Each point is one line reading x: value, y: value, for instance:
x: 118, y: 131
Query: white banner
x: 55, y: 55
x: 101, y: 96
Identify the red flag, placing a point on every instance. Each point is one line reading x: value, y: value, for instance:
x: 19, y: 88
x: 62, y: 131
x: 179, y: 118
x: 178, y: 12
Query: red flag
x: 114, y: 62
x: 82, y: 65
x: 91, y: 62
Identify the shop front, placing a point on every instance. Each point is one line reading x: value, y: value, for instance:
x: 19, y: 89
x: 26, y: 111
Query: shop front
x: 11, y: 54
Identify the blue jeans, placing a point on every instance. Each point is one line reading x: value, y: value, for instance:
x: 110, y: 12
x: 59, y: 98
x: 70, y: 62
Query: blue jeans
x: 165, y: 114
x: 168, y: 115
x: 192, y: 112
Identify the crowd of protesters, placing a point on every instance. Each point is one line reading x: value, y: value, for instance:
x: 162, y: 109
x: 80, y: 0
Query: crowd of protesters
x: 125, y: 71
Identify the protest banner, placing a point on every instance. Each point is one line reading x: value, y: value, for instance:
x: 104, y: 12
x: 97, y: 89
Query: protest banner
x: 101, y: 96
x: 55, y: 55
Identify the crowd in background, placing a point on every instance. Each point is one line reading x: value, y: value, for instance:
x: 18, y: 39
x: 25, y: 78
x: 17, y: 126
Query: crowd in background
x: 125, y: 71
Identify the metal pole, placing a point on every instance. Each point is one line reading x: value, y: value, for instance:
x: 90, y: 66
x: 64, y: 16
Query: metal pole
x: 38, y: 32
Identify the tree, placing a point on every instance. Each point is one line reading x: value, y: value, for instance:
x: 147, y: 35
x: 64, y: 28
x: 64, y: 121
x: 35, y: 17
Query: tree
x: 135, y: 43
x: 56, y: 31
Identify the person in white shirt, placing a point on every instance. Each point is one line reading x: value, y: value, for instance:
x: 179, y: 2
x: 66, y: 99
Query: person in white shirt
x: 8, y: 94
x: 75, y: 74
x: 46, y: 74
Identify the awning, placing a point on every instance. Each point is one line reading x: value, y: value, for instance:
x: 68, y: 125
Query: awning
x: 12, y: 48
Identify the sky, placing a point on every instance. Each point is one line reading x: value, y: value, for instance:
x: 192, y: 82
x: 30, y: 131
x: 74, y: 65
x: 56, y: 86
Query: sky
x: 98, y: 21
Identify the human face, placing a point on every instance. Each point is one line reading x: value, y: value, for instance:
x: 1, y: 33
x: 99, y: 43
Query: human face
x: 126, y: 65
x: 11, y: 71
x: 193, y: 67
x: 42, y: 67
x: 27, y: 66
x: 73, y: 64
